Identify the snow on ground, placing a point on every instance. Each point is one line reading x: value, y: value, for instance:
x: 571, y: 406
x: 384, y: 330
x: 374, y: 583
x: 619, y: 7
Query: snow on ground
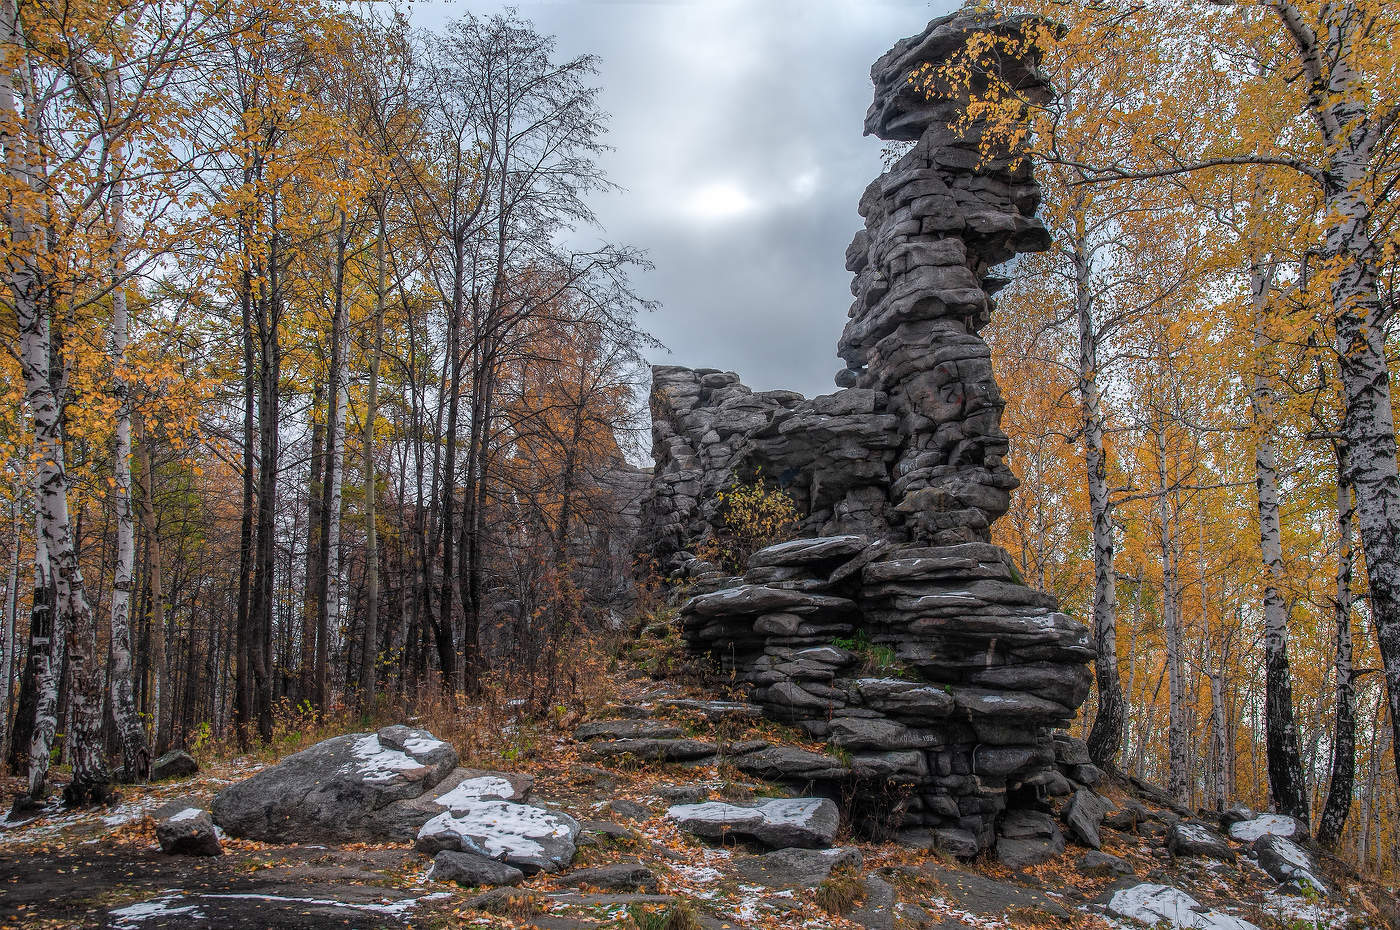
x: 1311, y: 913
x: 171, y: 903
x: 1251, y: 830
x: 164, y: 906
x: 1152, y: 904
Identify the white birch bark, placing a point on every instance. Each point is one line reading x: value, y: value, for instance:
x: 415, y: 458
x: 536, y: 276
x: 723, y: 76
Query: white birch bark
x: 1286, y: 785
x: 1106, y: 738
x: 8, y: 646
x: 136, y: 756
x: 1344, y: 109
x: 1178, y: 731
x: 73, y: 616
x: 337, y: 465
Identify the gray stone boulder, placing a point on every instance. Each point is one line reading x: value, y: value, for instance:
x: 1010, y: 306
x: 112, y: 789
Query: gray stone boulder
x: 1084, y: 816
x: 469, y: 868
x: 778, y: 822
x: 1191, y: 838
x: 1288, y: 863
x: 174, y: 764
x: 1099, y: 863
x: 530, y: 838
x: 623, y: 876
x: 338, y: 790
x: 796, y: 868
x: 184, y: 828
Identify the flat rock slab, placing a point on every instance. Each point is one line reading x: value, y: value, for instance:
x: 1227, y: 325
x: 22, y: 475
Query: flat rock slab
x: 983, y: 896
x: 334, y: 791
x: 807, y: 551
x: 654, y: 750
x: 784, y: 763
x: 532, y: 839
x: 642, y: 728
x: 1163, y: 905
x: 777, y: 822
x: 713, y: 711
x: 796, y: 868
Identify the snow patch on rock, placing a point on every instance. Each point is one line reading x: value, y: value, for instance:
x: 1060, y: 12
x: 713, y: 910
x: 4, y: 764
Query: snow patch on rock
x: 1152, y: 904
x: 1275, y: 824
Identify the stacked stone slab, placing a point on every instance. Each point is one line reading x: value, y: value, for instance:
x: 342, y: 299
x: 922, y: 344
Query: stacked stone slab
x: 898, y: 632
x: 939, y: 674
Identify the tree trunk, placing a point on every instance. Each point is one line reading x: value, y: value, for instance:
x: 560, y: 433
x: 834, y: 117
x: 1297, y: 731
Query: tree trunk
x: 1106, y: 738
x: 369, y: 650
x: 1338, y: 105
x: 1178, y: 732
x: 1343, y: 768
x: 311, y: 600
x: 9, y: 647
x: 159, y: 688
x: 1286, y: 785
x: 136, y: 754
x: 74, y: 621
x: 328, y: 609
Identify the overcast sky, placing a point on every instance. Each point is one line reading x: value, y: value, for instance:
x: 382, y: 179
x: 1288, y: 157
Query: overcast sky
x: 736, y: 135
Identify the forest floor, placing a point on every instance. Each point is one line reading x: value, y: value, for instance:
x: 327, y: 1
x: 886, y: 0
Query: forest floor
x: 103, y: 868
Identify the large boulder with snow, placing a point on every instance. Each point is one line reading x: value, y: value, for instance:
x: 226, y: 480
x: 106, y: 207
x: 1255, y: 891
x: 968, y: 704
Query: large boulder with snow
x: 778, y: 822
x: 1250, y: 829
x: 532, y: 839
x: 1288, y: 863
x: 338, y: 790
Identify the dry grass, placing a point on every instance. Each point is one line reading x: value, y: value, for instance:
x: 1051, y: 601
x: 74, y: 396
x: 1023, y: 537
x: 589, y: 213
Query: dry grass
x: 840, y: 892
x: 678, y: 916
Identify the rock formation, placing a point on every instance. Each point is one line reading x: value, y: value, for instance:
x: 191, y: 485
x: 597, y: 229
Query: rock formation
x: 898, y: 632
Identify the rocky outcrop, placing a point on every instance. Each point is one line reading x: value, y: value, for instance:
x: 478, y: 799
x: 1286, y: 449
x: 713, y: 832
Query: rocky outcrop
x: 912, y: 449
x: 895, y: 631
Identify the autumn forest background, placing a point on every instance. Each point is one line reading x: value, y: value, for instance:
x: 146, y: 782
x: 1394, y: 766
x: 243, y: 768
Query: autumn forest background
x: 314, y: 409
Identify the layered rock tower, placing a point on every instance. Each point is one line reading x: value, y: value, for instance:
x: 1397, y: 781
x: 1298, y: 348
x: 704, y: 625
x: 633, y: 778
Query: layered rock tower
x: 897, y: 632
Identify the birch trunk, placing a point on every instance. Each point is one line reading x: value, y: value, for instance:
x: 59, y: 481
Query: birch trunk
x: 9, y: 647
x: 1106, y: 738
x: 74, y: 623
x: 328, y: 610
x: 136, y: 755
x: 1286, y: 785
x: 369, y: 652
x: 1339, y: 102
x: 1343, y: 768
x: 1178, y: 732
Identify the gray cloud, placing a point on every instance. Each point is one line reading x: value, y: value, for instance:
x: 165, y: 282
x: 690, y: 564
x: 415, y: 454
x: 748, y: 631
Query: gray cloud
x: 736, y: 134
